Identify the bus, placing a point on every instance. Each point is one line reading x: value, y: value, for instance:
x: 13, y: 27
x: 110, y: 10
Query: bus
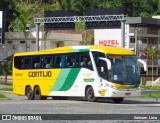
x: 78, y: 71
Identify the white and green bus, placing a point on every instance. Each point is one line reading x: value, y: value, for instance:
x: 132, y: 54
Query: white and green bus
x: 78, y: 71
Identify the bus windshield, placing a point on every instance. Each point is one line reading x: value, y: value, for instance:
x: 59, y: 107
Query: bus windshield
x: 124, y: 69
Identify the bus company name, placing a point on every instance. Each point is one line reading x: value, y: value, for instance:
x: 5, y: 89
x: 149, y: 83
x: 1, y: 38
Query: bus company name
x: 40, y: 74
x: 108, y: 42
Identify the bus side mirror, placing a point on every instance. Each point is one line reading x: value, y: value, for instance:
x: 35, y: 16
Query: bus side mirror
x: 108, y: 62
x: 144, y: 64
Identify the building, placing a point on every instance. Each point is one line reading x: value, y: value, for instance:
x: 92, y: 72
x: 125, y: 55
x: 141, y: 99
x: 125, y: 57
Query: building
x: 15, y: 42
x: 145, y: 32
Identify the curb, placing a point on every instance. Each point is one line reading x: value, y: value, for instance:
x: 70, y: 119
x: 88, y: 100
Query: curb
x: 150, y: 91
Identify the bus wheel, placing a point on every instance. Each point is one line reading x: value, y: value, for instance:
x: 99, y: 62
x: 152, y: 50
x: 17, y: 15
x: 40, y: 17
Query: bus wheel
x: 118, y: 100
x: 90, y: 94
x: 37, y: 93
x: 29, y: 93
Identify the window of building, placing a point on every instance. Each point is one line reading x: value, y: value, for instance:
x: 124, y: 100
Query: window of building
x: 33, y: 42
x: 22, y: 42
x: 144, y: 40
x: 9, y: 42
x: 132, y: 40
x: 150, y: 71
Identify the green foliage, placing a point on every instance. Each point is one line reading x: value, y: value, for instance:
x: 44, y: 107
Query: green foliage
x: 19, y: 24
x: 150, y: 87
x: 6, y: 89
x: 1, y: 69
x: 152, y: 51
x: 79, y: 25
x: 36, y: 8
x: 153, y: 95
x: 92, y: 41
x: 6, y: 68
x: 2, y: 96
x: 9, y: 8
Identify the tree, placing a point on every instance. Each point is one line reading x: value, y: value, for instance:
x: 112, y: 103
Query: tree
x: 152, y: 51
x: 10, y: 12
x: 19, y: 24
x: 143, y: 8
x: 6, y: 68
x: 45, y: 37
x: 65, y: 4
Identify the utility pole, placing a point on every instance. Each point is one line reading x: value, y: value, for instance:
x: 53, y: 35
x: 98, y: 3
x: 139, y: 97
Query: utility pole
x: 37, y: 36
x: 135, y: 47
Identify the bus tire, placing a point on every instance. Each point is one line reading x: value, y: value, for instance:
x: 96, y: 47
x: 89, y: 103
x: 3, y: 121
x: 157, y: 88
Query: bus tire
x: 29, y: 93
x: 118, y: 100
x: 89, y: 94
x: 37, y: 94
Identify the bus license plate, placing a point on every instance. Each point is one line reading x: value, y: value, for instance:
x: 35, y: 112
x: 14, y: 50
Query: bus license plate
x: 127, y: 93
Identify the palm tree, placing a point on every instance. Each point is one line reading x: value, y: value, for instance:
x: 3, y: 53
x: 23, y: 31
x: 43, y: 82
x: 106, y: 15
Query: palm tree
x: 152, y: 51
x: 20, y: 24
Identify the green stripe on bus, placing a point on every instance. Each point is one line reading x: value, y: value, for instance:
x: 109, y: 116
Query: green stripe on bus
x: 70, y: 79
x: 134, y: 86
x: 80, y: 50
x: 61, y: 79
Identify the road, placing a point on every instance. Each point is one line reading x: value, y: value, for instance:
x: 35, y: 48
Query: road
x: 21, y: 105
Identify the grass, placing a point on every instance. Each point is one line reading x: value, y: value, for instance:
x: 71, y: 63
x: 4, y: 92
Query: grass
x: 153, y: 95
x: 150, y: 87
x: 5, y: 83
x: 6, y: 89
x: 2, y: 96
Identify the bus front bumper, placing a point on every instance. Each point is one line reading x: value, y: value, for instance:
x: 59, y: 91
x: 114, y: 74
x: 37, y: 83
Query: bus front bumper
x: 120, y: 92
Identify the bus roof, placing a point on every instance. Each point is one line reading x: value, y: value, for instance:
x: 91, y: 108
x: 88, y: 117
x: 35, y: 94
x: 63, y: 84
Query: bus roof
x: 69, y: 49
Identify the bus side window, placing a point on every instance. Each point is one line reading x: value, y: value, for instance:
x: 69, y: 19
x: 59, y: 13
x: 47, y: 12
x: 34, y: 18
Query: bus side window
x: 96, y: 56
x: 18, y: 62
x: 62, y: 62
x: 48, y: 61
x: 71, y: 60
x: 68, y: 61
x: 36, y: 62
x: 28, y: 63
x: 86, y: 61
x: 42, y: 62
x: 57, y: 62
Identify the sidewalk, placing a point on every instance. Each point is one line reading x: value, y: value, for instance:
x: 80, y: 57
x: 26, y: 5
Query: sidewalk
x: 9, y: 78
x: 150, y: 83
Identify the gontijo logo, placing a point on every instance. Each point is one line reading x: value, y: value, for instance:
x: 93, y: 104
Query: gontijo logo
x: 39, y: 74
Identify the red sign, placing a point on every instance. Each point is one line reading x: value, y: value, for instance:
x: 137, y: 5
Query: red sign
x: 108, y: 42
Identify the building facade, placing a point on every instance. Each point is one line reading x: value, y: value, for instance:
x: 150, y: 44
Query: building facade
x: 145, y: 33
x: 15, y: 42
